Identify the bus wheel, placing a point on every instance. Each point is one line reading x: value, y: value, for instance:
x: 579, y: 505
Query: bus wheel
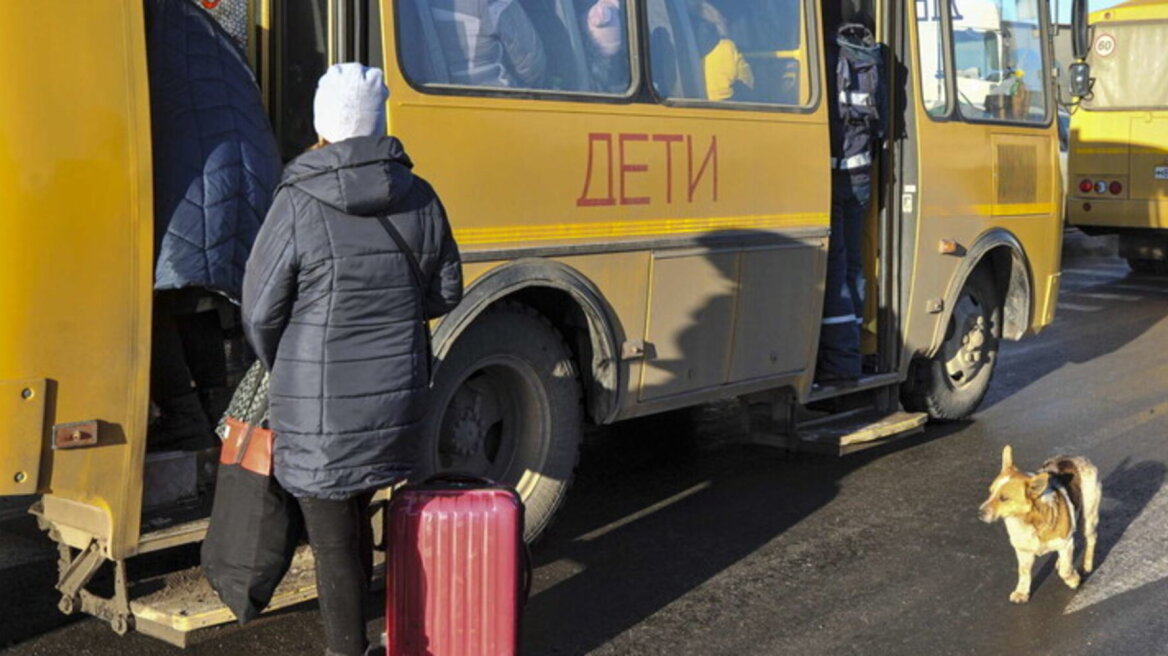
x: 950, y: 385
x: 505, y: 405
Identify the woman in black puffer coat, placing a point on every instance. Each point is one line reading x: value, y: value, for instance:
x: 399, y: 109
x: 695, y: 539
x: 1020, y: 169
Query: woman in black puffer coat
x: 331, y: 306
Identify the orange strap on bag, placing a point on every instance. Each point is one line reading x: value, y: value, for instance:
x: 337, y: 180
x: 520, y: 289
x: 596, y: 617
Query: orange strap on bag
x: 248, y: 446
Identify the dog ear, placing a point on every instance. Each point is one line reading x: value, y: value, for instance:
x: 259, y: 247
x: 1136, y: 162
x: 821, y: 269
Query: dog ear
x: 1038, y: 484
x: 1007, y: 457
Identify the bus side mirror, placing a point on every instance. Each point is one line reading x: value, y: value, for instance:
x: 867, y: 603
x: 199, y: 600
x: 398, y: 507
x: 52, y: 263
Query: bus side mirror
x: 1080, y: 79
x: 1080, y: 30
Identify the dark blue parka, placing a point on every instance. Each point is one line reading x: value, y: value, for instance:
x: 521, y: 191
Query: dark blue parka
x: 331, y: 308
x: 216, y: 162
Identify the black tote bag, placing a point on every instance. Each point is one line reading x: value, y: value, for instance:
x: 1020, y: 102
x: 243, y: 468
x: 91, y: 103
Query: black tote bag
x: 255, y: 524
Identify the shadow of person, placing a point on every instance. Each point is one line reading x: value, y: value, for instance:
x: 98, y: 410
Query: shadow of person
x: 1127, y: 490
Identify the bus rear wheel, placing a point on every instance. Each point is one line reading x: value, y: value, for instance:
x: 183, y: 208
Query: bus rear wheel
x: 951, y: 385
x: 505, y: 405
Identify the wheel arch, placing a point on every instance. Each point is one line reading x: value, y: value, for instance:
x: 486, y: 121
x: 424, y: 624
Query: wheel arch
x: 566, y: 298
x: 1002, y: 253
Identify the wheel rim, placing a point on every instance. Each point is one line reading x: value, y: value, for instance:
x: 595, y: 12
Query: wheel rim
x: 494, y: 424
x: 966, y: 351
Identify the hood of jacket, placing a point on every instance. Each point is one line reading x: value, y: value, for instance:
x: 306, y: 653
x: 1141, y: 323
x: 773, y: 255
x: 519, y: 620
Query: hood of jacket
x: 365, y: 176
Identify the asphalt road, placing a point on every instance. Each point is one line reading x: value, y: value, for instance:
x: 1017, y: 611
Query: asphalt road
x: 679, y: 537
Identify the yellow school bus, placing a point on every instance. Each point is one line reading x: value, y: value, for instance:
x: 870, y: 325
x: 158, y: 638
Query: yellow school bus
x: 1118, y: 161
x: 630, y: 245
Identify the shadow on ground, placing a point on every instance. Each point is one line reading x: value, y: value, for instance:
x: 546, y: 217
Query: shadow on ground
x: 659, y: 509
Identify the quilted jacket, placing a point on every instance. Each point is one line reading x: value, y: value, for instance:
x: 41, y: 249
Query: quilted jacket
x: 216, y: 162
x: 331, y: 308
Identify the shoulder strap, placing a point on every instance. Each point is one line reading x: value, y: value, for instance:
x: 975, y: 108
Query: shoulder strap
x: 415, y: 268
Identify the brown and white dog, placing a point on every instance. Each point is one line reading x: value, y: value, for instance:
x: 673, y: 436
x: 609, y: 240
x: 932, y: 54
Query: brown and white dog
x: 1041, y: 512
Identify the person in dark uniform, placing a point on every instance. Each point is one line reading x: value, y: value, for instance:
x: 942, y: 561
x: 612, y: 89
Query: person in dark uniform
x: 856, y: 91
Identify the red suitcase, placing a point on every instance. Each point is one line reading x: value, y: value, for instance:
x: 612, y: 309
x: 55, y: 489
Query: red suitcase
x: 457, y: 569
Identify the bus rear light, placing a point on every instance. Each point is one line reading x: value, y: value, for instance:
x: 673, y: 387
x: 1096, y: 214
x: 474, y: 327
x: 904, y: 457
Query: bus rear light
x: 1116, y: 188
x: 1101, y: 187
x: 1086, y: 186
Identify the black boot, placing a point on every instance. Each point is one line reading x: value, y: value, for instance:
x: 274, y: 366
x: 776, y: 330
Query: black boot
x: 182, y: 425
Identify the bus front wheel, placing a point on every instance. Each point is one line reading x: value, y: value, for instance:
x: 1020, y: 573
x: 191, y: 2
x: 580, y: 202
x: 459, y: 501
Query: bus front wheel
x: 505, y: 405
x: 950, y: 385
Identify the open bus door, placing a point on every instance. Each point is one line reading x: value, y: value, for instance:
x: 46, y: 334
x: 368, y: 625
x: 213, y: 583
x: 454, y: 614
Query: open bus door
x: 76, y: 216
x: 75, y: 277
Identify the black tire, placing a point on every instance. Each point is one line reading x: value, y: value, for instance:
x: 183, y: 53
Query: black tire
x: 506, y: 405
x: 951, y: 385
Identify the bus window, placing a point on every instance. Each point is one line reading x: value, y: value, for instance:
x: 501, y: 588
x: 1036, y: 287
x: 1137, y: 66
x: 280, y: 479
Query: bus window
x: 998, y: 60
x: 1126, y: 74
x: 554, y: 45
x: 729, y: 50
x: 931, y: 53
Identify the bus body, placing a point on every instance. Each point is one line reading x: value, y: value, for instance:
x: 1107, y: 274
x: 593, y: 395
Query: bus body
x: 653, y: 249
x: 1118, y: 160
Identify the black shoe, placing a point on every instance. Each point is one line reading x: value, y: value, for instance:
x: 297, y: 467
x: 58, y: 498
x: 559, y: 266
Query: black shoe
x: 182, y: 425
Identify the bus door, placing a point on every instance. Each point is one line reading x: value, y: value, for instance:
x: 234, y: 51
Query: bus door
x: 298, y: 41
x: 75, y: 221
x: 986, y: 154
x: 876, y: 324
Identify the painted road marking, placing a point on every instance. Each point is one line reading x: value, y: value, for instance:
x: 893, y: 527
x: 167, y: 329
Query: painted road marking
x: 1100, y: 296
x: 1140, y: 288
x: 1137, y: 560
x: 1101, y: 272
x: 644, y: 512
x: 1075, y: 307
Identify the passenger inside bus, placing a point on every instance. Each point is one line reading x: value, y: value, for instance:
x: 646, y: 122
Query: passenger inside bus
x: 489, y: 43
x: 555, y: 45
x: 607, y: 48
x: 728, y: 51
x: 727, y: 75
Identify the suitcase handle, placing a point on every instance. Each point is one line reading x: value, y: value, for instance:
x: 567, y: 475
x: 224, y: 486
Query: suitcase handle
x: 458, y: 478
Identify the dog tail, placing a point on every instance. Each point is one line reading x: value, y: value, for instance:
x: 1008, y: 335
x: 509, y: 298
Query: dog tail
x: 1081, y: 480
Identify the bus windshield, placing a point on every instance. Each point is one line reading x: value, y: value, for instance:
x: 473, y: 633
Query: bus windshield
x: 1127, y: 72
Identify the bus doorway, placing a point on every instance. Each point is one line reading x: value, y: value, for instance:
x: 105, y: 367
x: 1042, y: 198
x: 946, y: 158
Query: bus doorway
x: 858, y: 124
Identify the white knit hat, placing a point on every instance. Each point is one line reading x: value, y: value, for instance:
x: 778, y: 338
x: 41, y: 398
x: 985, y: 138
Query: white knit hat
x: 350, y: 102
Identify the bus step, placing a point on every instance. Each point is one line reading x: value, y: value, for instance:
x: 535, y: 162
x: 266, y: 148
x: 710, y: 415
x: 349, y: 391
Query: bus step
x: 180, y: 605
x: 867, y: 383
x: 844, y: 434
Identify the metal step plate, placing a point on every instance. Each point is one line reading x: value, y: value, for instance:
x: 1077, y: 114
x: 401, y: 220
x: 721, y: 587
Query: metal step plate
x: 184, y: 603
x: 851, y: 433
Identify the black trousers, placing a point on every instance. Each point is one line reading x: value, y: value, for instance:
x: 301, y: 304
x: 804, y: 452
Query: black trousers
x: 342, y: 542
x: 188, y: 351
